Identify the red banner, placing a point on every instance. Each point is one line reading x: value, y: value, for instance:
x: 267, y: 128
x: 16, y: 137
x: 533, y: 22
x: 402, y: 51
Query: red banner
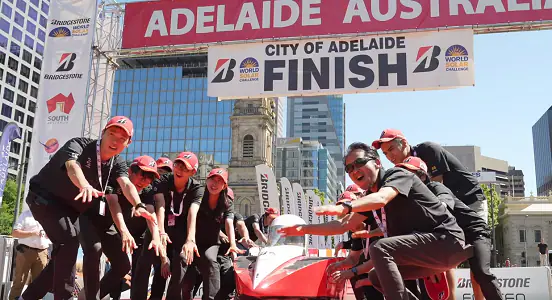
x: 192, y: 22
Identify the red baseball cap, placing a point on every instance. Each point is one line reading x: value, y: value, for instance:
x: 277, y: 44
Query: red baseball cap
x: 147, y: 164
x: 221, y: 172
x: 272, y: 211
x: 386, y: 136
x: 414, y: 163
x: 164, y: 162
x: 347, y: 196
x: 353, y: 188
x: 121, y: 122
x: 189, y: 159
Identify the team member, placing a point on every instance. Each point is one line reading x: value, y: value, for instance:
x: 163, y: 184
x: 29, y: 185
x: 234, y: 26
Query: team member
x: 407, y: 249
x: 543, y: 253
x: 475, y: 229
x: 257, y: 225
x: 75, y: 176
x: 216, y: 210
x: 442, y: 167
x: 32, y: 251
x: 164, y: 165
x: 177, y: 198
x: 101, y: 235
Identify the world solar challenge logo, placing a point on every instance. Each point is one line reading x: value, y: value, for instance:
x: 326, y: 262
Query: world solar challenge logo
x: 249, y: 70
x: 457, y: 59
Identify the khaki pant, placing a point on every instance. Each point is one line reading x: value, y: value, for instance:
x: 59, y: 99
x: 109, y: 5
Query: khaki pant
x: 29, y: 260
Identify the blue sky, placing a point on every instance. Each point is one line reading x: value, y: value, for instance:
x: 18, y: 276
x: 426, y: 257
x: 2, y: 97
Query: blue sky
x: 513, y: 77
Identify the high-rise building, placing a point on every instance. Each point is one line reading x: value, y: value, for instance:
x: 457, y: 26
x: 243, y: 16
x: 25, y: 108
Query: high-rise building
x: 542, y: 148
x: 516, y: 186
x: 171, y: 111
x: 22, y: 35
x: 280, y: 116
x: 309, y: 164
x: 322, y: 119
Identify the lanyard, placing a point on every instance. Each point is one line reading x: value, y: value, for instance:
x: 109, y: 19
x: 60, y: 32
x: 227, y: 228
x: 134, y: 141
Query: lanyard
x: 181, y: 204
x: 99, y: 163
x: 366, y: 248
x: 382, y: 224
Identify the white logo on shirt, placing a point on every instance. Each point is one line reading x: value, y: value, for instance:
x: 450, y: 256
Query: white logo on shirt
x: 89, y: 163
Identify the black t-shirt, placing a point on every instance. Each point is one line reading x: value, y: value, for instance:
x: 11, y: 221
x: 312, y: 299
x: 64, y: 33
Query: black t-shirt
x: 53, y: 183
x: 455, y: 175
x: 543, y: 248
x: 255, y: 218
x: 415, y: 208
x: 209, y: 221
x: 177, y: 204
x: 472, y: 224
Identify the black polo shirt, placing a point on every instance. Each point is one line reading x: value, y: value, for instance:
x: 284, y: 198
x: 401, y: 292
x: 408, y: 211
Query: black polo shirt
x: 472, y: 224
x: 181, y: 202
x: 53, y: 184
x: 224, y: 247
x: 255, y: 218
x: 455, y: 175
x: 210, y: 221
x: 415, y: 208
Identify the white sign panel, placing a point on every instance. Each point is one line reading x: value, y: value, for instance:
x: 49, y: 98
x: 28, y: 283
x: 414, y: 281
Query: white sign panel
x: 65, y: 71
x: 382, y: 63
x: 485, y: 177
x: 288, y: 199
x: 267, y: 187
x: 310, y: 215
x: 515, y: 283
x: 300, y: 203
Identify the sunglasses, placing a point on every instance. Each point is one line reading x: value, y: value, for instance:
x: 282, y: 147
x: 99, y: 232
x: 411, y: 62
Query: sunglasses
x: 358, y: 163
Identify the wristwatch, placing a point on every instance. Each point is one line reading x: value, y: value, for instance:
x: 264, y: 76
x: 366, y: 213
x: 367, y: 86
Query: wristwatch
x: 140, y: 205
x: 354, y: 270
x: 347, y: 204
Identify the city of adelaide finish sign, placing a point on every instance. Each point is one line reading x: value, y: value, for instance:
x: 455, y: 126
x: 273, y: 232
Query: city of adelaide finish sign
x: 192, y: 22
x: 380, y: 63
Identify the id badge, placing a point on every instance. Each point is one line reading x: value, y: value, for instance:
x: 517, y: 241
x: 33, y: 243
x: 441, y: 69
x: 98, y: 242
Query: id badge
x: 171, y: 220
x: 102, y: 208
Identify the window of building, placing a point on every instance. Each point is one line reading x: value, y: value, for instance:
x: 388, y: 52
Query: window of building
x: 6, y: 110
x: 15, y: 49
x: 13, y: 64
x: 37, y: 63
x: 41, y: 35
x: 15, y: 147
x: 30, y: 121
x: 17, y: 34
x: 32, y: 106
x: 248, y: 146
x: 29, y: 42
x: 538, y: 236
x: 32, y: 13
x: 39, y: 49
x: 21, y: 101
x: 45, y: 8
x: 3, y: 42
x: 8, y: 94
x: 31, y: 28
x: 36, y: 2
x: 10, y: 79
x: 1, y: 74
x: 23, y: 86
x: 522, y: 235
x: 22, y: 5
x: 29, y: 139
x: 2, y: 57
x: 19, y: 116
x: 6, y: 10
x: 36, y: 78
x: 3, y: 123
x: 13, y: 163
x: 25, y: 71
x: 5, y: 25
x: 34, y: 92
x: 19, y: 20
x: 28, y: 57
x: 42, y: 21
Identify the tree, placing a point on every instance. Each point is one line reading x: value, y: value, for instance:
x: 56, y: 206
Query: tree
x: 8, y: 207
x: 322, y: 196
x: 493, y: 205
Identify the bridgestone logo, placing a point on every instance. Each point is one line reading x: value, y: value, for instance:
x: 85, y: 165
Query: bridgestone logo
x: 264, y: 191
x: 62, y: 77
x: 70, y: 22
x: 300, y: 205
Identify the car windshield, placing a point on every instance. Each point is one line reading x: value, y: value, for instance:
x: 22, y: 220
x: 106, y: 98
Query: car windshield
x: 276, y: 239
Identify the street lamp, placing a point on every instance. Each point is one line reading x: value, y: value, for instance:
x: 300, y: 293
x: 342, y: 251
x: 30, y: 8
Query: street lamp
x: 525, y: 239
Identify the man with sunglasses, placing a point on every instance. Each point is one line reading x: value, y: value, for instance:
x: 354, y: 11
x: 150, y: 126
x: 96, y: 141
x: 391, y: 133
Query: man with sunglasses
x: 177, y: 198
x: 442, y: 165
x: 117, y: 232
x: 414, y: 223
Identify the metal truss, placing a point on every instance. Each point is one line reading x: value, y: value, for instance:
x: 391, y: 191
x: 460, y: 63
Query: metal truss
x: 107, y: 42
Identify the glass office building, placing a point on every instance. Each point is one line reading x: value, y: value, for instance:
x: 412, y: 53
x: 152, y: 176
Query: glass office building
x: 542, y: 148
x: 320, y: 118
x: 171, y: 111
x: 22, y: 35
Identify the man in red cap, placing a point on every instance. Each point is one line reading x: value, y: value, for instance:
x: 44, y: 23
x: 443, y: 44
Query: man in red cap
x: 77, y: 176
x: 177, y: 198
x: 442, y: 167
x: 257, y: 225
x: 478, y: 234
x: 115, y: 231
x: 164, y: 165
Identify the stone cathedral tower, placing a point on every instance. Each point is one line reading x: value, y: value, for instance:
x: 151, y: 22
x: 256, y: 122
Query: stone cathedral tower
x: 253, y: 126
